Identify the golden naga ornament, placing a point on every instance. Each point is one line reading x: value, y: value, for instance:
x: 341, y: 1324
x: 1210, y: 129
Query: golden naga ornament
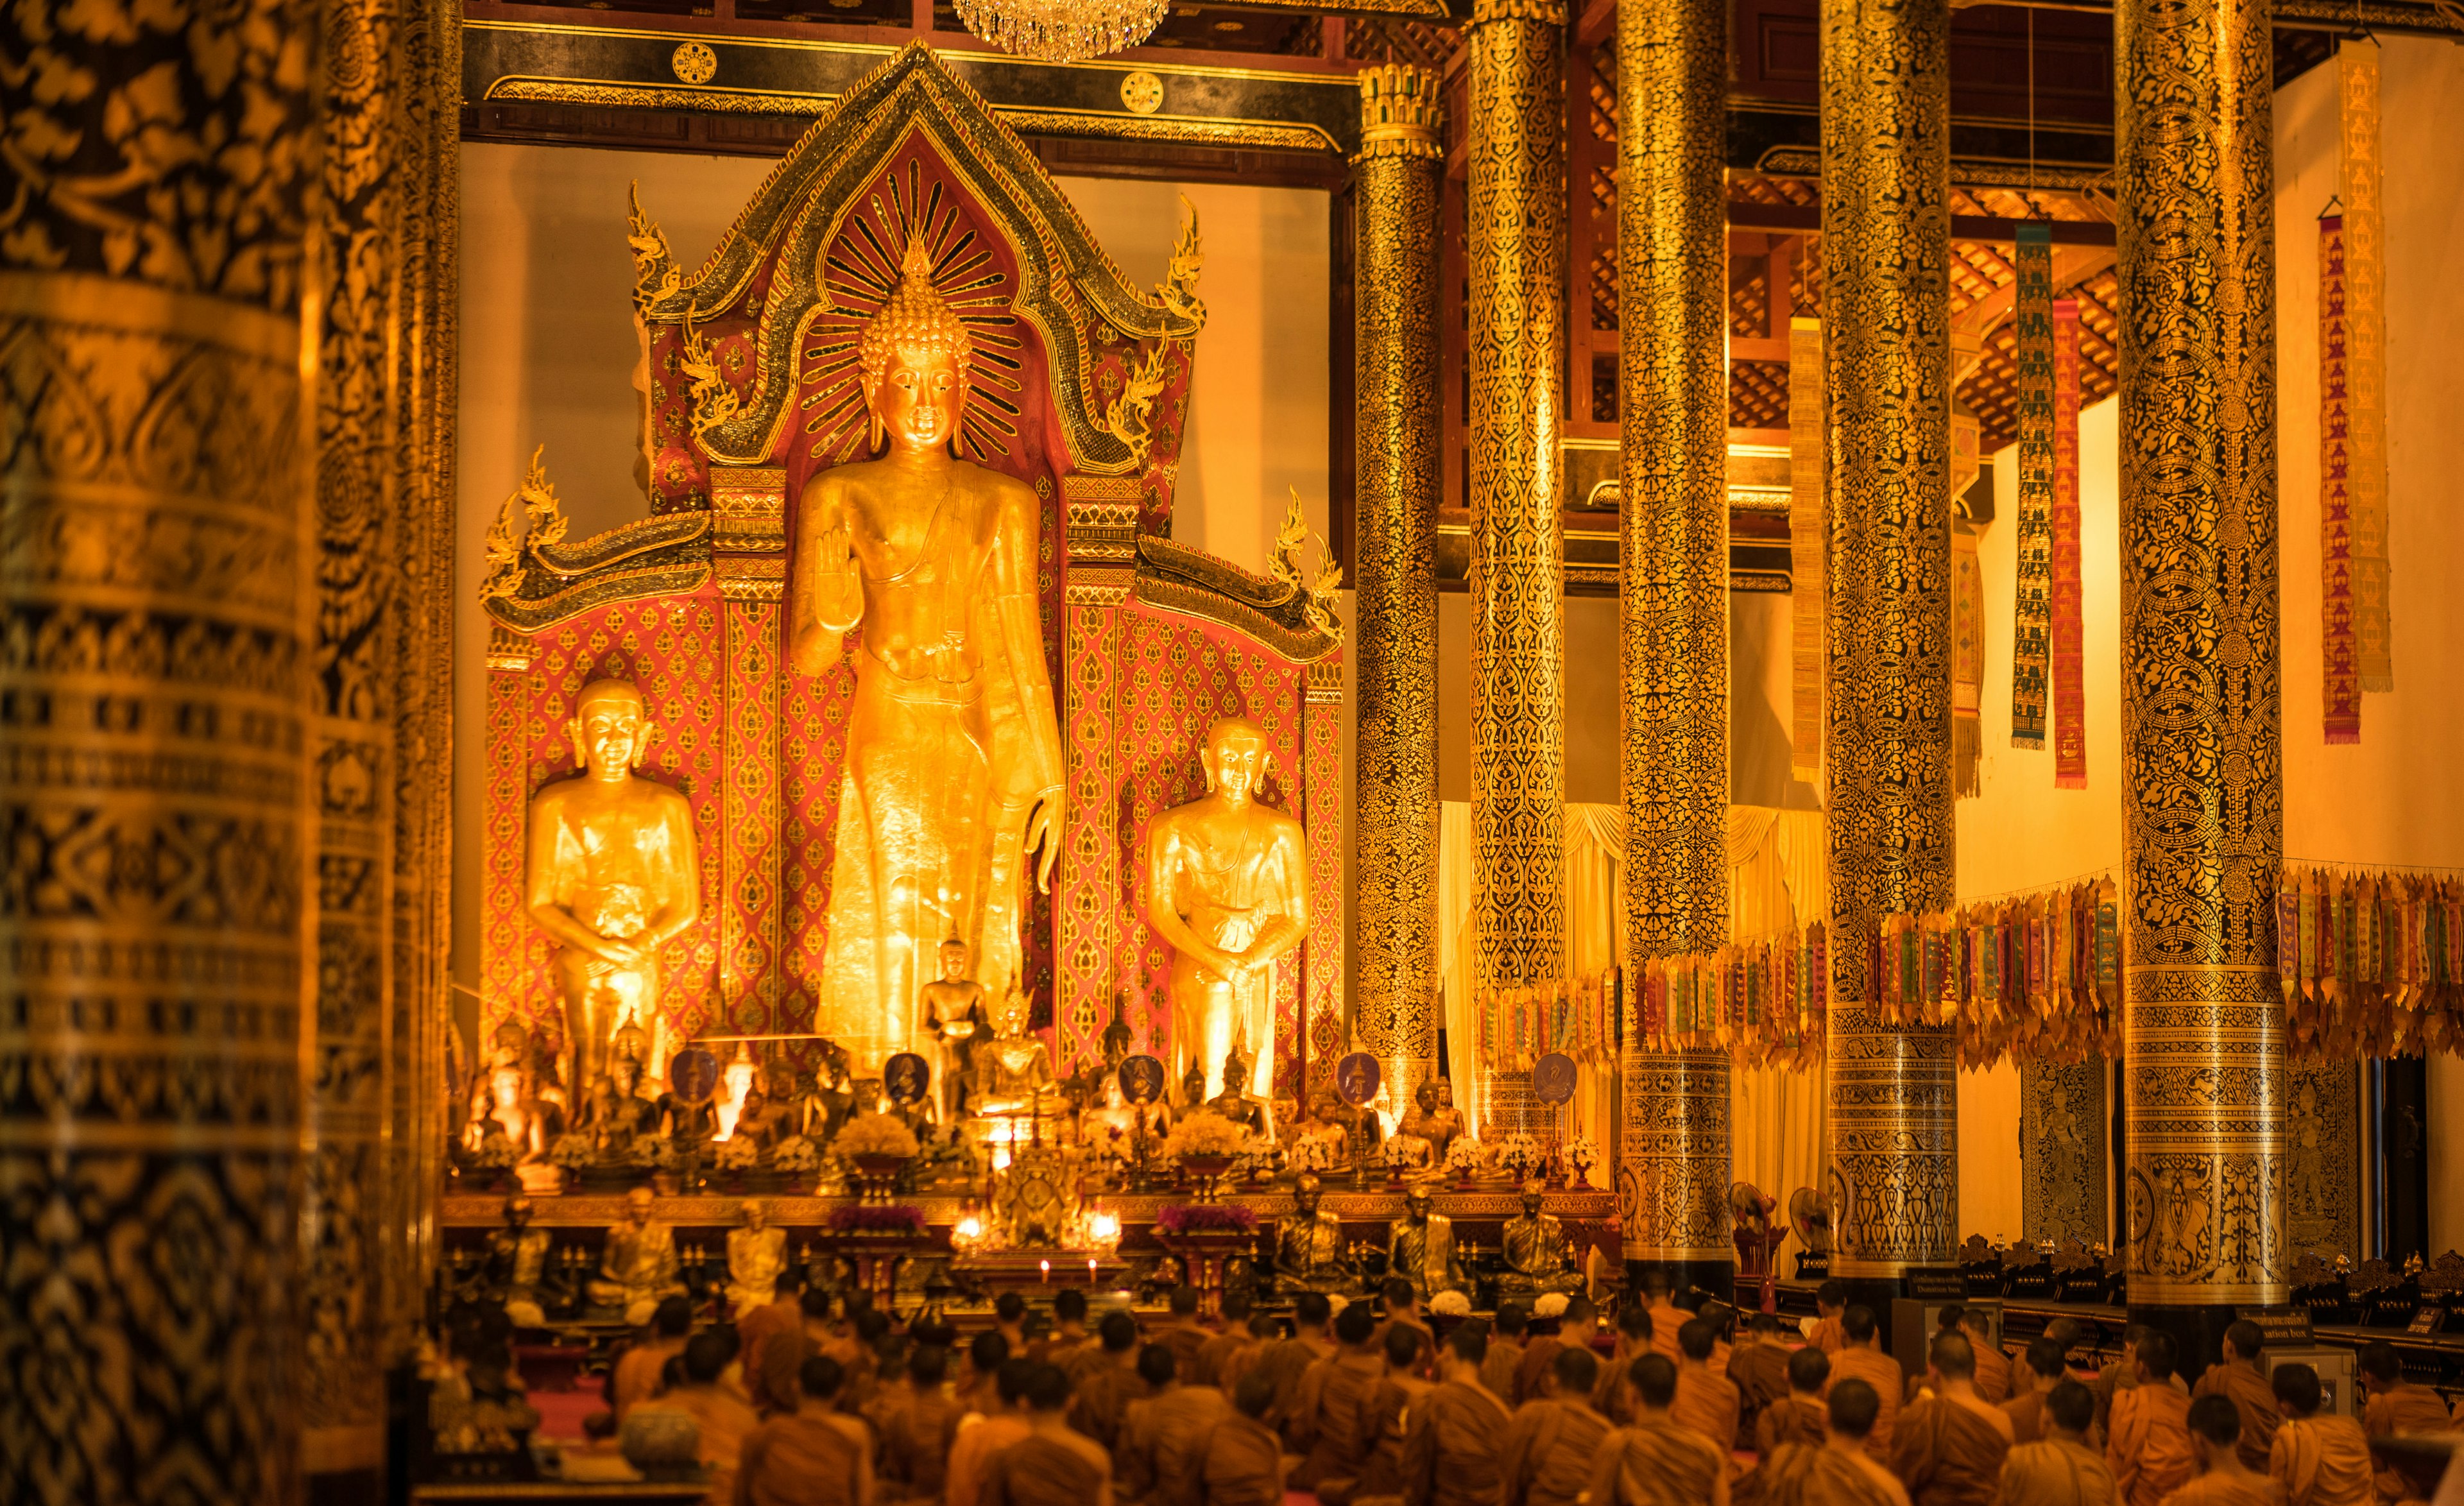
x: 953, y: 769
x: 1227, y: 887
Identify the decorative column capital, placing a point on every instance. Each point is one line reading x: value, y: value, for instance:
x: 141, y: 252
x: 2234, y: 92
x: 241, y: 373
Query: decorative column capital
x: 1400, y: 111
x: 1484, y: 11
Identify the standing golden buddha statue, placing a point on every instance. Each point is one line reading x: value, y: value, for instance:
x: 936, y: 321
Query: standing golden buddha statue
x: 952, y: 770
x: 1227, y: 886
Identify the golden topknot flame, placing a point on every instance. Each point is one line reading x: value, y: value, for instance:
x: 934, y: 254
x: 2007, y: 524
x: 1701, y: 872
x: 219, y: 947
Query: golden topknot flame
x: 914, y: 316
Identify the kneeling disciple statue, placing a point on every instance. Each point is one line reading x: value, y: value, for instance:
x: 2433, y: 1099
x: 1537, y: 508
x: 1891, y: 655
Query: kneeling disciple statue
x: 1537, y: 1252
x: 613, y: 875
x: 638, y: 1266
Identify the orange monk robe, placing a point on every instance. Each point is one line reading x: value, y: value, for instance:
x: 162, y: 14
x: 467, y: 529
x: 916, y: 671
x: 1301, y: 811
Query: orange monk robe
x: 1538, y: 1355
x: 1547, y: 1454
x: 1497, y: 1372
x: 1656, y: 1462
x: 785, y: 1317
x: 1948, y: 1452
x: 724, y: 1422
x: 2027, y: 1413
x: 1760, y: 1372
x: 1794, y: 1418
x: 915, y: 1454
x: 1383, y: 1473
x: 1707, y: 1404
x: 1881, y: 1372
x: 972, y: 1453
x: 1162, y: 1445
x: 636, y: 1378
x: 2239, y: 1382
x: 1611, y: 1397
x: 2228, y: 1490
x: 2148, y: 1443
x: 1242, y: 1463
x: 1207, y: 1368
x: 1667, y: 1317
x: 1452, y: 1446
x: 2404, y: 1408
x: 2056, y: 1471
x: 2322, y: 1461
x: 1103, y: 1398
x: 1829, y: 1336
x: 1993, y: 1371
x: 1056, y: 1468
x: 1332, y: 1426
x: 1285, y: 1361
x: 1186, y: 1344
x: 1427, y: 1364
x: 801, y: 1459
x: 771, y: 1370
x: 1816, y: 1475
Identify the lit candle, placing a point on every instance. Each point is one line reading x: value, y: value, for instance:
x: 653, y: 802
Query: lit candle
x: 1047, y: 1270
x: 1090, y: 1270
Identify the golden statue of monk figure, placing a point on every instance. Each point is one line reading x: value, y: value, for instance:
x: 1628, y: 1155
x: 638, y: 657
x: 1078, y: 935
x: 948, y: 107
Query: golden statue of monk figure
x: 613, y: 876
x: 952, y: 770
x: 1227, y: 885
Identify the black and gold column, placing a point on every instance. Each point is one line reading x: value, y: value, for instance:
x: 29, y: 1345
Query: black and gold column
x: 1892, y: 1090
x: 1394, y: 430
x: 1674, y: 1169
x: 2203, y: 1038
x: 160, y: 621
x: 1516, y: 255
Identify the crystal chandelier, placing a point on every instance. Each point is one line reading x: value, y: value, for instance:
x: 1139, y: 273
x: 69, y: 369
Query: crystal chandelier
x: 1062, y: 30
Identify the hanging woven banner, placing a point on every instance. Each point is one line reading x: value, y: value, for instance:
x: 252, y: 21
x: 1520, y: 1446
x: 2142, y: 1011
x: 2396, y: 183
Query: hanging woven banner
x: 2366, y: 483
x: 2069, y: 661
x: 2340, y: 661
x: 2031, y: 624
x: 1966, y: 660
x: 1809, y: 545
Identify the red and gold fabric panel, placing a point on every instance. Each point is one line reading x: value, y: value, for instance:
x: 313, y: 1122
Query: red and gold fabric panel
x: 748, y: 901
x: 2340, y: 652
x: 2364, y: 242
x: 1966, y: 660
x: 2030, y: 632
x: 1809, y: 545
x: 1322, y: 958
x: 2069, y: 661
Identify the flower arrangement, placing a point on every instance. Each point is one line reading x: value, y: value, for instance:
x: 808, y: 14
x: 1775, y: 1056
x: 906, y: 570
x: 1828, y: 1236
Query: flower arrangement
x: 1400, y: 1151
x: 795, y: 1153
x: 1519, y: 1154
x: 1451, y: 1304
x: 1552, y: 1304
x: 875, y: 1135
x: 653, y: 1153
x: 573, y: 1152
x: 1463, y: 1156
x: 1206, y: 1218
x: 1581, y: 1156
x: 896, y: 1218
x: 1309, y: 1153
x: 736, y: 1153
x: 495, y: 1153
x: 1204, y: 1134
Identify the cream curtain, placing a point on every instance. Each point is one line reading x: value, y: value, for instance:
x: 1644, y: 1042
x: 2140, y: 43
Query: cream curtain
x: 1775, y: 875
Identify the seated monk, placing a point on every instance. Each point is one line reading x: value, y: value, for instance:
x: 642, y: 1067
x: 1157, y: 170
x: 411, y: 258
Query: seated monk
x: 1506, y: 1340
x: 1103, y: 1391
x: 1549, y: 1444
x: 1286, y: 1362
x: 1992, y: 1365
x: 1759, y: 1367
x: 2237, y: 1380
x: 2396, y: 1406
x: 1165, y: 1434
x: 1069, y: 1344
x: 1667, y: 1316
x: 2119, y: 1375
x: 1242, y: 1463
x: 1950, y: 1442
x: 1838, y: 1472
x: 1332, y: 1426
x: 912, y: 1455
x: 982, y: 1436
x: 1259, y: 1334
x: 2039, y: 1371
x: 1655, y: 1462
x: 725, y: 1419
x: 1829, y: 1303
x: 2059, y: 1468
x: 1800, y: 1416
x: 1403, y: 1308
x: 1452, y: 1442
x: 1576, y: 1327
x: 2320, y: 1459
x: 2147, y: 1443
x: 1187, y: 1335
x: 772, y: 1363
x: 784, y: 1313
x: 635, y: 1380
x: 1054, y: 1465
x: 2223, y: 1479
x: 811, y: 1454
x: 1405, y: 1349
x: 1612, y: 1397
x: 1862, y: 1358
x: 1707, y: 1401
x: 1207, y: 1368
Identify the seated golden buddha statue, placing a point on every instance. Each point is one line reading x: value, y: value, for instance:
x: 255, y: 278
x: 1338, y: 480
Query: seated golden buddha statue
x: 1235, y: 1102
x: 613, y: 874
x: 1014, y: 1077
x: 1537, y: 1252
x: 1433, y: 1117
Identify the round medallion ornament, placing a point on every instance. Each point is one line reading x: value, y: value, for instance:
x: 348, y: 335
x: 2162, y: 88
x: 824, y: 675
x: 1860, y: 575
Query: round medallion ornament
x: 1553, y: 1077
x: 694, y: 62
x: 694, y: 1075
x: 1141, y: 1079
x: 1142, y: 92
x: 906, y: 1077
x: 1356, y: 1078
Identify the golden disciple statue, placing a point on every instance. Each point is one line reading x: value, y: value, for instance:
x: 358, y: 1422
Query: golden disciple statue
x: 952, y: 770
x: 756, y: 1252
x: 613, y: 876
x: 1227, y: 885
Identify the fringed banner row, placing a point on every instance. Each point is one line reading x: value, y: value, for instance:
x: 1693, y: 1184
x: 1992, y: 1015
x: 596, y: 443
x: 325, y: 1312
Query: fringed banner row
x: 2036, y: 976
x: 2373, y: 964
x: 2033, y: 318
x: 1761, y: 1002
x: 1524, y: 1022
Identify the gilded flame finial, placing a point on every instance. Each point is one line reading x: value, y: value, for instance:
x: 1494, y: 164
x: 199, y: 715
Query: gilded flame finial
x: 914, y: 316
x: 1400, y: 111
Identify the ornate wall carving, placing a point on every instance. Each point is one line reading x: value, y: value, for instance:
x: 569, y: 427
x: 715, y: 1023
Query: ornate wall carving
x: 2065, y: 1176
x: 2323, y: 1161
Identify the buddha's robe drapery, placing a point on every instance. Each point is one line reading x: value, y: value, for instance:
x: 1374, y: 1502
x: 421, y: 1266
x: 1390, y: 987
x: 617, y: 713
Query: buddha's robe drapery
x: 1549, y: 1449
x: 800, y: 1459
x: 724, y: 1420
x: 1102, y: 1400
x: 1760, y: 1372
x: 1794, y: 1418
x: 1161, y: 1442
x: 1497, y: 1372
x: 2148, y: 1443
x: 1949, y: 1452
x: 1049, y: 1468
x: 2239, y: 1382
x: 2228, y: 1490
x: 915, y: 1454
x: 1707, y: 1403
x: 1883, y: 1374
x: 2322, y: 1461
x: 1333, y: 1421
x: 1242, y: 1463
x: 1656, y: 1463
x: 2056, y: 1471
x: 1815, y: 1474
x: 1451, y: 1447
x: 972, y: 1452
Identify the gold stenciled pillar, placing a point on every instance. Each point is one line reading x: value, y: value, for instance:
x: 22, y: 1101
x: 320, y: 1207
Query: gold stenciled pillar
x: 160, y: 607
x: 1394, y: 430
x: 1516, y: 228
x: 2204, y: 1031
x: 1674, y: 1167
x: 1892, y: 1089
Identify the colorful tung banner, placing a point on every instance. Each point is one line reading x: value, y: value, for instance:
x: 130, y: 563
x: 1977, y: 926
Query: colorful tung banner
x: 1809, y: 542
x: 2029, y: 641
x: 2365, y: 482
x: 2340, y: 659
x: 1966, y: 660
x: 2070, y: 694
